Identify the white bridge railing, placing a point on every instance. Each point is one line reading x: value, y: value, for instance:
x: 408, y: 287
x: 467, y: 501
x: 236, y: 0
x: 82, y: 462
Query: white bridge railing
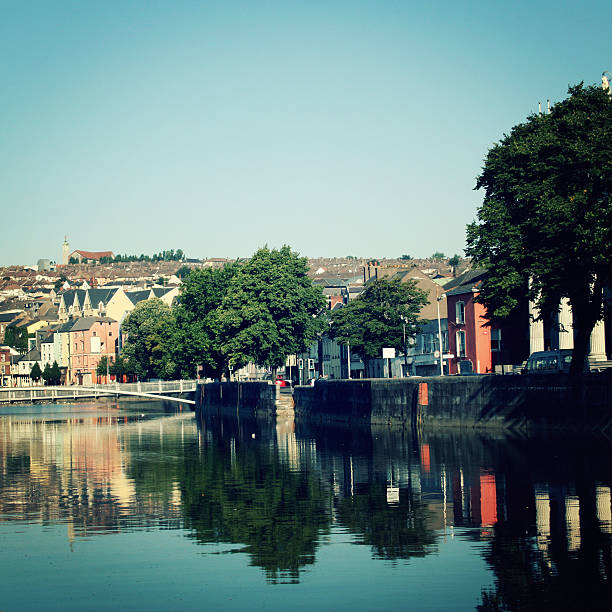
x: 158, y: 389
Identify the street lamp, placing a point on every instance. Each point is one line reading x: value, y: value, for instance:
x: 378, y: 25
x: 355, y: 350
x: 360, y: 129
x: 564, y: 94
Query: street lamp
x: 438, y: 299
x: 404, y: 321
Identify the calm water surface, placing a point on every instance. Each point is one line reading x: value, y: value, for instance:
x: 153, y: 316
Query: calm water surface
x: 135, y: 507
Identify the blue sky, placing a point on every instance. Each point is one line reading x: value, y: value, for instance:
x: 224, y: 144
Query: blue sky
x: 339, y: 128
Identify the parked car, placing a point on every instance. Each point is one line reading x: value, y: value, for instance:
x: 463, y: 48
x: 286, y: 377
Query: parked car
x: 551, y: 362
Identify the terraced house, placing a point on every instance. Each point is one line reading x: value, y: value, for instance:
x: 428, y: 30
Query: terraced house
x: 90, y: 338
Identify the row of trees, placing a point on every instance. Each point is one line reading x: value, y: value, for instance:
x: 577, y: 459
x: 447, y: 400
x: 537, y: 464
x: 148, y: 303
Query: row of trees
x: 259, y: 311
x: 170, y: 255
x: 51, y: 374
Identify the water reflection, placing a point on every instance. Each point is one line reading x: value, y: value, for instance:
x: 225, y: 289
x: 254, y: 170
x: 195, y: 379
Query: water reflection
x: 540, y: 510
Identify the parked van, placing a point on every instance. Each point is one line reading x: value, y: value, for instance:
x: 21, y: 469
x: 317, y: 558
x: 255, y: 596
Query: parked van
x: 549, y: 362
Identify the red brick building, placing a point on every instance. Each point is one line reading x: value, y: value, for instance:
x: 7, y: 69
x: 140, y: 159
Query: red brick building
x: 477, y: 345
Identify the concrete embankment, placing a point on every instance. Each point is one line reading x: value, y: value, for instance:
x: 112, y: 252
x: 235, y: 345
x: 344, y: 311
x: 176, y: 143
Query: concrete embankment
x: 249, y: 399
x: 526, y: 402
x: 469, y: 401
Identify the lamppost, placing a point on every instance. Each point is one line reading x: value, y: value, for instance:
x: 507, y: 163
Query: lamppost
x: 404, y: 321
x: 438, y: 299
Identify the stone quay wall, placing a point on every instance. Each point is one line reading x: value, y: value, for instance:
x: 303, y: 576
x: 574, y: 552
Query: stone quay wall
x: 522, y: 402
x: 240, y: 398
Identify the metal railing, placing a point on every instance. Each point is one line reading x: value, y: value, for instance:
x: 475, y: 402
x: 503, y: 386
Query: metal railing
x: 161, y: 388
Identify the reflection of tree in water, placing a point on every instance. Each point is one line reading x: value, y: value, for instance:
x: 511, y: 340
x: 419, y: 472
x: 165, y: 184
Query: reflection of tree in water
x: 239, y: 492
x: 395, y: 531
x: 567, y: 565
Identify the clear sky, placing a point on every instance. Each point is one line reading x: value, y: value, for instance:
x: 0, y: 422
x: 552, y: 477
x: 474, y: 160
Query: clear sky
x: 337, y: 127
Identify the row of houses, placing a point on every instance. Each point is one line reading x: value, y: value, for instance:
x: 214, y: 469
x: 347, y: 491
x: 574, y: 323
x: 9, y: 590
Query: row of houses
x: 84, y: 327
x: 470, y: 343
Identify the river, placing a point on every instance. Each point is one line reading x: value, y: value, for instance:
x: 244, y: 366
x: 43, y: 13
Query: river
x: 136, y: 506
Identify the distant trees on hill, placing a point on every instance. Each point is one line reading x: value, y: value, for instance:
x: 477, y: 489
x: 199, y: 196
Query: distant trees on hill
x: 170, y: 255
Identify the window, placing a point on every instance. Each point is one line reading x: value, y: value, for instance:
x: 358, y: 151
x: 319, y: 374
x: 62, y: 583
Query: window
x: 460, y: 313
x: 460, y: 335
x: 445, y: 342
x: 495, y: 340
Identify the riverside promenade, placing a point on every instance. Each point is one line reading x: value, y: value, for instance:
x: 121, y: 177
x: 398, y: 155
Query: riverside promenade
x: 491, y: 402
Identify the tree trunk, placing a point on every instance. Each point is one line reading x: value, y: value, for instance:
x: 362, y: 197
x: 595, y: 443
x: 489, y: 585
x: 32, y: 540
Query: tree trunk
x: 581, y: 349
x: 585, y: 315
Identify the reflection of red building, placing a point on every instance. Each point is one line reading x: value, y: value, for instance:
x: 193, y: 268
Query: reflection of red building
x: 425, y: 460
x: 488, y: 500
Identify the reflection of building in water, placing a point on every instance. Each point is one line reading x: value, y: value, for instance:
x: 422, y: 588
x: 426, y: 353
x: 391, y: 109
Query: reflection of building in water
x: 76, y: 470
x: 542, y: 510
x: 572, y: 522
x: 603, y: 505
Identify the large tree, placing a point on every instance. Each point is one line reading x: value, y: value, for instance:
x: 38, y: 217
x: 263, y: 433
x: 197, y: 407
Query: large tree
x: 148, y: 349
x: 544, y: 230
x: 269, y: 311
x: 376, y: 319
x: 197, y: 336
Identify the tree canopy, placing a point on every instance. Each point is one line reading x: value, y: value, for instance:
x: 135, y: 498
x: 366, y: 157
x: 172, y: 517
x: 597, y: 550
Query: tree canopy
x: 376, y: 319
x: 269, y: 310
x: 197, y: 338
x: 52, y: 374
x: 35, y: 372
x: 148, y: 349
x: 547, y: 214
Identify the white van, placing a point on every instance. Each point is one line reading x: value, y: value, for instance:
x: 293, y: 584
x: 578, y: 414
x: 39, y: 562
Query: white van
x: 549, y: 362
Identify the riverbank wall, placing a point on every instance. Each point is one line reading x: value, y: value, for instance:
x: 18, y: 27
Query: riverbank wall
x: 249, y: 399
x: 502, y: 402
x: 515, y: 402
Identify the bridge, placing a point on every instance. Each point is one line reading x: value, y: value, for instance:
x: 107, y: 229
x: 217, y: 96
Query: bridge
x: 164, y: 390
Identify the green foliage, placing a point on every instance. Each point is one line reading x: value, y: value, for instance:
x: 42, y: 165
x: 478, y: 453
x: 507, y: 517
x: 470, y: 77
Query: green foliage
x: 376, y: 318
x: 51, y: 374
x: 56, y: 375
x: 405, y: 257
x: 547, y: 214
x: 170, y: 255
x: 149, y: 328
x: 16, y: 337
x: 269, y: 309
x: 103, y: 365
x: 121, y: 367
x: 438, y: 256
x: 183, y: 271
x: 197, y: 335
x: 35, y: 372
x: 454, y: 260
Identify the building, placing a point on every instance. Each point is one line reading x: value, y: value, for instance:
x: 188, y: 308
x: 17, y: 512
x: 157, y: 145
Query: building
x: 477, y: 345
x: 90, y: 338
x: 5, y: 366
x: 90, y: 256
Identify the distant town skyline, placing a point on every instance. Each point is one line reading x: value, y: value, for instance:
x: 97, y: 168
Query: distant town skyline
x: 337, y: 128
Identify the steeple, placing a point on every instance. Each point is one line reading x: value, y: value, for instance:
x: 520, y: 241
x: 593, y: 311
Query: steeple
x: 65, y: 251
